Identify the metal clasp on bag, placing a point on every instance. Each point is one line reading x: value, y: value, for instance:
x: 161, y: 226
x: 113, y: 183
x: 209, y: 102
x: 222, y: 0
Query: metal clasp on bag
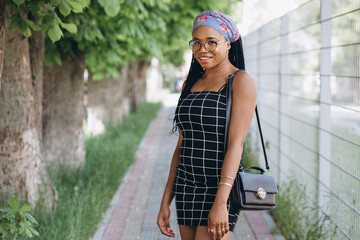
x: 261, y: 193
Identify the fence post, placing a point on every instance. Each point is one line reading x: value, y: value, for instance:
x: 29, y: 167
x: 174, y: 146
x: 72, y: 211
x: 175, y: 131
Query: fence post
x: 258, y: 79
x: 283, y: 100
x: 325, y: 103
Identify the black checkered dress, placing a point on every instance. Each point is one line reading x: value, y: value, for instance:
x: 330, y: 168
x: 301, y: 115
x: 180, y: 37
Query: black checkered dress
x: 200, y: 117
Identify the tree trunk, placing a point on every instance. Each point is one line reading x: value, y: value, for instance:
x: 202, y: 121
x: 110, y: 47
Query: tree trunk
x: 37, y: 47
x: 22, y: 169
x: 133, y: 80
x: 63, y: 138
x: 108, y: 101
x: 141, y: 81
x: 2, y: 36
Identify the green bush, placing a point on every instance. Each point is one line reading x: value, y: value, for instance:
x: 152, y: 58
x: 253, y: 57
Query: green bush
x: 16, y: 220
x: 296, y: 218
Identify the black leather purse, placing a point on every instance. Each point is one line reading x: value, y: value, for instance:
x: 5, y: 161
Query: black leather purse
x: 250, y: 191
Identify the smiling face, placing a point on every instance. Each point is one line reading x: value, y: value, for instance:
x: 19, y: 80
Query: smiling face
x: 210, y: 59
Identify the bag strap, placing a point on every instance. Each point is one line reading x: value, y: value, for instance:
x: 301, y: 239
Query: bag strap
x: 228, y: 117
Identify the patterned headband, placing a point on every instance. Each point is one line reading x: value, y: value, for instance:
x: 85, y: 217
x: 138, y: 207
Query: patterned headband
x: 220, y: 22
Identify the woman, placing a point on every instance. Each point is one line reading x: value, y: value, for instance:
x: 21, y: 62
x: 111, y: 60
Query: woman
x: 201, y: 174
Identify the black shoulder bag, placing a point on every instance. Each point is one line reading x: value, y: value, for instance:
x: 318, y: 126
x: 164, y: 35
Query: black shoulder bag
x: 251, y: 191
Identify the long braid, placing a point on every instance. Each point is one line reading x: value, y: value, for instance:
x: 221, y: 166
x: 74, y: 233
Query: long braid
x: 236, y: 54
x: 195, y: 73
x: 236, y: 57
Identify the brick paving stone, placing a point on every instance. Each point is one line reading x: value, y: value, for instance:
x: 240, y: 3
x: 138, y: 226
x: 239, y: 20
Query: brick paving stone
x: 132, y: 228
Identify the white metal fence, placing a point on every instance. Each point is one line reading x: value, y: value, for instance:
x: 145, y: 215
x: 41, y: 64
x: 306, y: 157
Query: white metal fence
x: 307, y: 68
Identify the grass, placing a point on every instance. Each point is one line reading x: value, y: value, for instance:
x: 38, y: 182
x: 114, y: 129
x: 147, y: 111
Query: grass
x: 294, y: 216
x: 85, y: 194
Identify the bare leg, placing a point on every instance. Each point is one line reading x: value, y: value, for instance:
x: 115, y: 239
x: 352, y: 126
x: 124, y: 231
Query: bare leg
x: 187, y: 232
x: 202, y: 234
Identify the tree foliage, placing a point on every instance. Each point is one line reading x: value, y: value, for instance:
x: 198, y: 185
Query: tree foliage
x: 127, y: 37
x: 49, y: 20
x: 112, y: 33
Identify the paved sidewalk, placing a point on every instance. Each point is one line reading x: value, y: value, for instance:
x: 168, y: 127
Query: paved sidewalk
x: 134, y: 208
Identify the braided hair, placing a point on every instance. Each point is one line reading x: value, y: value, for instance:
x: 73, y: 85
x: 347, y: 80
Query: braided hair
x: 236, y: 58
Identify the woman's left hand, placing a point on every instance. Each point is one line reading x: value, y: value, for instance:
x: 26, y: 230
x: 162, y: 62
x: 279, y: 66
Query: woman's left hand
x: 218, y: 222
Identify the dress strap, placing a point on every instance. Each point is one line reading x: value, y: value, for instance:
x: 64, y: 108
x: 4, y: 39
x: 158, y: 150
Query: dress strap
x: 230, y: 76
x: 222, y: 87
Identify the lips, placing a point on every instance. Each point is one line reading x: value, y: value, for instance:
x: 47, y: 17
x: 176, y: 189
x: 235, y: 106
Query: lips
x: 204, y: 59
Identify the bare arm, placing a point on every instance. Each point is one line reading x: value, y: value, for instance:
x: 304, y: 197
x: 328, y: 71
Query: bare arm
x: 243, y: 107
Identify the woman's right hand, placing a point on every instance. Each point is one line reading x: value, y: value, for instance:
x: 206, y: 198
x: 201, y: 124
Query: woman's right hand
x: 163, y: 221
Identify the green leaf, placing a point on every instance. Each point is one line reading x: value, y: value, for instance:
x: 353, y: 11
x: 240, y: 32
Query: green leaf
x: 46, y: 22
x: 3, y: 230
x: 25, y: 208
x: 102, y: 2
x: 22, y: 216
x: 111, y: 7
x: 13, y: 228
x: 90, y: 59
x: 32, y: 25
x: 111, y: 72
x: 57, y: 59
x: 34, y: 231
x: 87, y: 35
x: 52, y: 56
x: 28, y: 232
x: 70, y: 27
x: 55, y: 3
x: 30, y: 218
x: 55, y: 32
x: 14, y: 203
x: 27, y: 32
x: 64, y: 8
x: 98, y: 76
x: 112, y: 11
x: 25, y: 227
x: 18, y: 2
x: 22, y: 228
x: 15, y: 21
x: 75, y: 7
